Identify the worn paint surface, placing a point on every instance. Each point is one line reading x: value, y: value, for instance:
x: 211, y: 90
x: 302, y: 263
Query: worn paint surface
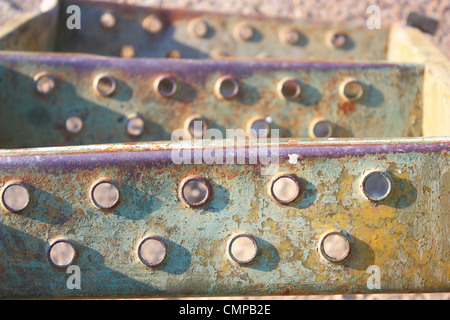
x: 406, y: 235
x: 362, y: 44
x: 391, y: 106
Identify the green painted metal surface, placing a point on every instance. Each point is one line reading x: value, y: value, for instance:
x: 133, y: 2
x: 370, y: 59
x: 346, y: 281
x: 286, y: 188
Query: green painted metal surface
x: 391, y: 105
x: 361, y: 43
x: 406, y: 235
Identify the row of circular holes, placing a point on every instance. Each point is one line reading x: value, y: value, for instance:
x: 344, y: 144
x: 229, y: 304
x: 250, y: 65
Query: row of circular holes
x: 256, y: 128
x: 227, y: 87
x: 199, y: 28
x: 242, y: 249
x: 196, y: 191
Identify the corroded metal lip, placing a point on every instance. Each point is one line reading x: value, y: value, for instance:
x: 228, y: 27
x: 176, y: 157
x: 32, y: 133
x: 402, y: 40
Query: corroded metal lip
x: 204, y: 181
x: 55, y: 242
x: 292, y: 177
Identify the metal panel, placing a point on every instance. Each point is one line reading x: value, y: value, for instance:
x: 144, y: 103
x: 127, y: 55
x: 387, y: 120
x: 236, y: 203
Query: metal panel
x: 174, y: 36
x: 390, y: 107
x: 406, y: 235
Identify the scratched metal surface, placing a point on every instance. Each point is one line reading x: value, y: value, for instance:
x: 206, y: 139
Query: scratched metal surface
x: 391, y: 107
x: 406, y: 235
x: 362, y: 44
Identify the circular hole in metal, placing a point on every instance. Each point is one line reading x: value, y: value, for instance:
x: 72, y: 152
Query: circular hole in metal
x: 259, y: 128
x: 198, y: 28
x: 173, y: 54
x: 127, y: 51
x: 195, y: 191
x: 74, y: 124
x: 62, y: 254
x: 321, y: 129
x: 335, y: 247
x: 243, y: 32
x: 243, y: 249
x: 166, y: 86
x: 289, y: 36
x: 15, y: 197
x: 108, y: 20
x: 377, y: 186
x: 285, y: 188
x: 152, y: 251
x: 352, y: 90
x: 227, y: 87
x: 337, y: 39
x: 196, y: 126
x: 44, y: 83
x: 289, y: 89
x: 105, y: 195
x: 152, y: 24
x: 135, y: 126
x: 105, y: 85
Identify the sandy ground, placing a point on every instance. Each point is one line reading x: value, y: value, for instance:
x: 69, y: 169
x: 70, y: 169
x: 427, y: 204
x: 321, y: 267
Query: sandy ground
x: 318, y: 10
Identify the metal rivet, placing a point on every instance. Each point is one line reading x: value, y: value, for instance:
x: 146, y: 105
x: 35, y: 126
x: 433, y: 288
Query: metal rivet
x: 227, y: 87
x: 320, y: 128
x: 15, y: 197
x: 127, y: 51
x: 351, y: 90
x: 108, y: 20
x: 173, y: 54
x: 74, y: 124
x: 285, y: 188
x: 105, y: 194
x: 44, y: 83
x: 198, y: 28
x: 289, y: 89
x: 135, y: 125
x: 377, y: 186
x: 195, y: 191
x: 336, y: 39
x: 152, y: 24
x: 152, y: 251
x: 243, y: 32
x: 289, y: 36
x: 258, y: 128
x: 243, y: 248
x: 334, y: 247
x: 196, y: 125
x: 62, y: 254
x: 105, y: 85
x: 165, y: 86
